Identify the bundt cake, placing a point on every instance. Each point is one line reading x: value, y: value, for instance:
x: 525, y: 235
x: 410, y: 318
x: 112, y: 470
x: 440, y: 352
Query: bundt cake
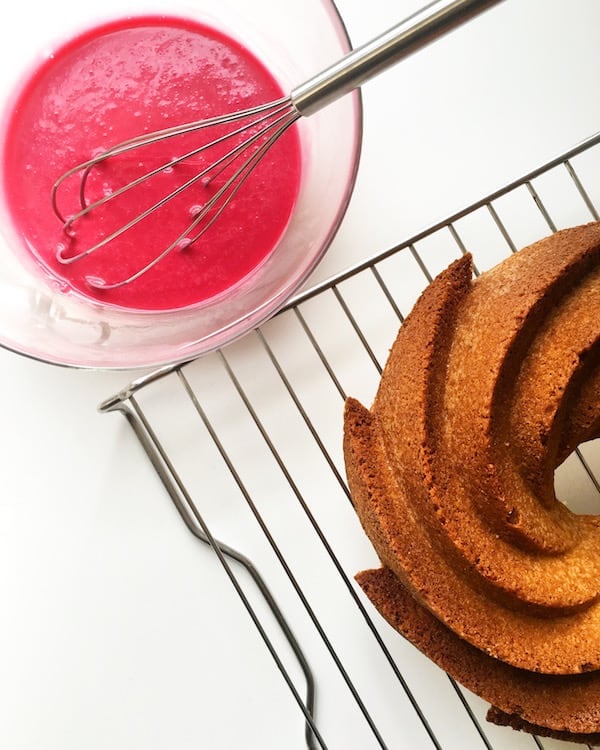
x: 491, y: 383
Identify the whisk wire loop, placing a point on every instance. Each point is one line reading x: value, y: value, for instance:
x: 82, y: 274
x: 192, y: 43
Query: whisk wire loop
x: 271, y: 127
x: 265, y: 123
x: 148, y: 139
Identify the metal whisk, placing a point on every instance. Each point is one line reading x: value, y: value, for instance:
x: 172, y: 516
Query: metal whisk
x: 254, y: 131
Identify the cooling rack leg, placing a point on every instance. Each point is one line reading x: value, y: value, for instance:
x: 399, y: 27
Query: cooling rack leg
x: 194, y: 522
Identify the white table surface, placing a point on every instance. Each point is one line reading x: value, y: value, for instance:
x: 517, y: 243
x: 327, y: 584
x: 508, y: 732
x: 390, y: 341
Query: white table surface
x: 93, y: 560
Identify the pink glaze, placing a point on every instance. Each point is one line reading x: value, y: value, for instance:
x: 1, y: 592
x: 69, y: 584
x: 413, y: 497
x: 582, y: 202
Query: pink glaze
x: 118, y: 81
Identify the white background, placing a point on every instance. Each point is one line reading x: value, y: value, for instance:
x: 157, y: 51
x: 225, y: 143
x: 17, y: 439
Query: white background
x: 94, y: 575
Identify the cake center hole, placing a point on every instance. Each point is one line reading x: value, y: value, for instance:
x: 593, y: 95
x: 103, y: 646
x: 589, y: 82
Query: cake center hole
x: 577, y: 480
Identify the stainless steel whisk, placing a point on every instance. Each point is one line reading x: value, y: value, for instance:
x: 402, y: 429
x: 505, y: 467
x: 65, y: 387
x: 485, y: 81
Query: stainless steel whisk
x: 259, y: 127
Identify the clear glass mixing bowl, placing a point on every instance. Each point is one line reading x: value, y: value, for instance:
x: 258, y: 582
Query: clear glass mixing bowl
x: 295, y: 40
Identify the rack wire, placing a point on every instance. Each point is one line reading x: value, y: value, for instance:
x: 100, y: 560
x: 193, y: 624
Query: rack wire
x: 262, y: 420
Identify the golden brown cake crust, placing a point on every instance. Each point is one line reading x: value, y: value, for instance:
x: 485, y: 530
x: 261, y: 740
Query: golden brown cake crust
x: 496, y: 716
x: 565, y: 705
x: 490, y: 384
x: 451, y: 470
x: 423, y: 567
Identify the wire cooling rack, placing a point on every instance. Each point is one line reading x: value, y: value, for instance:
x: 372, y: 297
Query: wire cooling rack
x: 263, y: 419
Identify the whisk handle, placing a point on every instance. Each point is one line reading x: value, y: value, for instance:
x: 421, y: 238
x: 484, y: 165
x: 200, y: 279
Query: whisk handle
x: 363, y: 63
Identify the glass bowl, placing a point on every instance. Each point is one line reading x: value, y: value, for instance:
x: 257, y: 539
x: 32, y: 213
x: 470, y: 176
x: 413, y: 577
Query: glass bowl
x: 295, y: 41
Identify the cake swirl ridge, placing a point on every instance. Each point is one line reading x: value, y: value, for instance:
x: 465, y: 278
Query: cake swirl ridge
x: 490, y: 384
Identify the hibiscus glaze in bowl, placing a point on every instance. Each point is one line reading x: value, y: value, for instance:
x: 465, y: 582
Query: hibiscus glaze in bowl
x: 45, y: 318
